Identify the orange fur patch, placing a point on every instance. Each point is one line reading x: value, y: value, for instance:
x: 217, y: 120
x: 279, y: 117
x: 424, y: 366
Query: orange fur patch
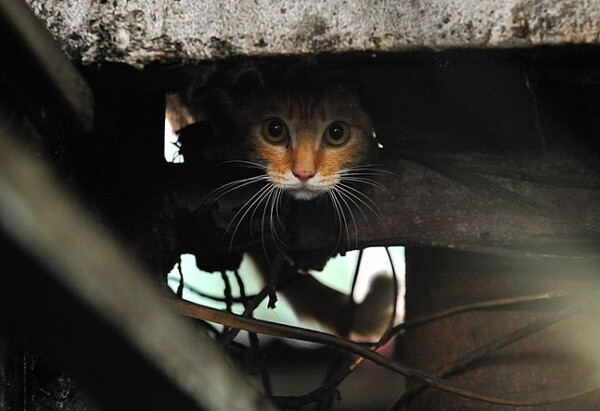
x: 307, y: 117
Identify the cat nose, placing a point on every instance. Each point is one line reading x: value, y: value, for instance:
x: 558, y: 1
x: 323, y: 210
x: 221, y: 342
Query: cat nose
x: 304, y: 175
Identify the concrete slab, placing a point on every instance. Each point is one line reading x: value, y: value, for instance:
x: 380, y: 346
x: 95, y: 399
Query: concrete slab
x: 138, y: 32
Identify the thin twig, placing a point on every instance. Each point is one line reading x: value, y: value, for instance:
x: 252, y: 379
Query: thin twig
x: 227, y: 291
x: 338, y: 365
x: 259, y: 358
x: 396, y: 290
x: 262, y: 364
x: 568, y: 391
x: 337, y: 379
x: 416, y: 321
x: 241, y: 286
x: 181, y: 280
x: 387, y: 335
x: 202, y: 294
x: 228, y: 337
x: 275, y: 270
x: 269, y: 290
x: 255, y: 349
x: 494, y: 346
x: 228, y: 298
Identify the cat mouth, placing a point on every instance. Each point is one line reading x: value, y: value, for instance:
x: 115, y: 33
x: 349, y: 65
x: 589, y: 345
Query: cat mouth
x: 305, y: 193
x: 303, y: 190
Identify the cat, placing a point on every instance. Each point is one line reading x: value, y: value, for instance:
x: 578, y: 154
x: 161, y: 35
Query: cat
x: 307, y: 140
x: 307, y: 143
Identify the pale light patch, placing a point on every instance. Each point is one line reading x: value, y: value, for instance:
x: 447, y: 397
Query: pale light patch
x: 212, y: 284
x: 339, y: 271
x: 171, y: 151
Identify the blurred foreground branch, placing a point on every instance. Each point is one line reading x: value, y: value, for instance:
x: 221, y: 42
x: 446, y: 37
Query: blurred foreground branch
x: 75, y: 291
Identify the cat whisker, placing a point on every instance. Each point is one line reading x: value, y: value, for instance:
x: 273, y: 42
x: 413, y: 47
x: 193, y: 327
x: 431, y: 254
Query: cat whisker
x: 357, y: 194
x: 360, y: 173
x: 339, y: 218
x: 262, y: 223
x: 271, y: 216
x: 274, y: 214
x: 335, y: 196
x: 374, y: 170
x: 278, y: 205
x: 243, y: 163
x: 343, y: 198
x: 253, y: 202
x: 271, y: 203
x: 267, y: 195
x: 366, y: 181
x: 348, y: 195
x: 247, y: 206
x: 367, y: 165
x: 230, y: 187
x: 371, y: 167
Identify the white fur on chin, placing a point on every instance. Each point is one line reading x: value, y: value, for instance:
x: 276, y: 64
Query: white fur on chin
x: 304, y: 194
x: 300, y: 190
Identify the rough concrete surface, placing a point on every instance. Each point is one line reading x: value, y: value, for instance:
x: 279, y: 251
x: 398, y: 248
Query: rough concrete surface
x: 138, y: 32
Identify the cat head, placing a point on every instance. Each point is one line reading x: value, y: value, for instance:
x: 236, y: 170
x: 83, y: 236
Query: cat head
x: 306, y: 140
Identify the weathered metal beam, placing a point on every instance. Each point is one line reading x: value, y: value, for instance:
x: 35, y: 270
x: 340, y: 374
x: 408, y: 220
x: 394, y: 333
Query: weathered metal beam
x: 525, y: 203
x: 438, y: 200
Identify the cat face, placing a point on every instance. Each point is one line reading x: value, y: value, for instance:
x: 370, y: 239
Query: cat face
x: 307, y: 141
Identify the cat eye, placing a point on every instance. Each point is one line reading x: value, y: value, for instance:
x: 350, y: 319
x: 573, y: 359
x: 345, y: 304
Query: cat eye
x: 275, y: 130
x: 337, y: 133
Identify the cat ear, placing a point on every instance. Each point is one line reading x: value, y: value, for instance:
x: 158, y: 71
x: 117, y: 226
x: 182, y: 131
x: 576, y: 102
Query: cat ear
x: 249, y: 77
x: 222, y: 99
